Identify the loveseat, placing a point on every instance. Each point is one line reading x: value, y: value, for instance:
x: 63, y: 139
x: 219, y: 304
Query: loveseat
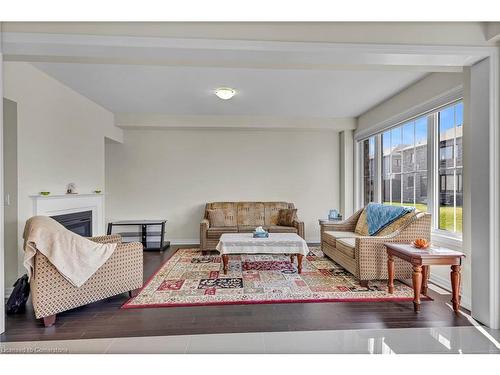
x: 349, y: 244
x: 240, y: 217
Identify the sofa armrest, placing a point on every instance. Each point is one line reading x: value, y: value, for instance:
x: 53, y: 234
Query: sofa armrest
x: 347, y: 225
x: 299, y: 225
x: 205, y: 223
x: 110, y: 238
x: 52, y: 293
x: 371, y: 253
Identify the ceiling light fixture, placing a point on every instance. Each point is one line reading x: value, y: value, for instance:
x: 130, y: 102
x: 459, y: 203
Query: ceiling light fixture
x: 225, y: 93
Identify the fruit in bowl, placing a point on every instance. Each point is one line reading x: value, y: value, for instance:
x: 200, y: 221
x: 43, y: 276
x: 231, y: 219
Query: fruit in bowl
x: 421, y: 243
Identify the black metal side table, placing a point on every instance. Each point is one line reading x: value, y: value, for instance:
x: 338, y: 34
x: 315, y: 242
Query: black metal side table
x: 144, y: 234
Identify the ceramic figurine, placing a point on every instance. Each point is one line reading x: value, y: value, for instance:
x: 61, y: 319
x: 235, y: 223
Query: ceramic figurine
x: 71, y: 189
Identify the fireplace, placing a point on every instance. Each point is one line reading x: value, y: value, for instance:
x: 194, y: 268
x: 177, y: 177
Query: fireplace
x: 78, y: 222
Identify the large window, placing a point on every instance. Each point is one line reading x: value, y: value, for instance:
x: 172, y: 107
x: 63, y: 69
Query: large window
x: 413, y: 174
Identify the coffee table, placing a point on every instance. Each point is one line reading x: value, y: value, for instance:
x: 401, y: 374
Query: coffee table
x: 276, y: 243
x: 421, y: 259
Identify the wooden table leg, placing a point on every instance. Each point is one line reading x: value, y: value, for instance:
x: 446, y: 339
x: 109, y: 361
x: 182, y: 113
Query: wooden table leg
x: 225, y: 261
x: 292, y: 257
x: 425, y: 278
x: 455, y: 287
x: 390, y: 271
x: 417, y: 287
x: 299, y: 262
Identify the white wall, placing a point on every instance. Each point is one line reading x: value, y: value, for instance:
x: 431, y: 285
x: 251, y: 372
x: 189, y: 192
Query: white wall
x: 2, y: 257
x: 60, y: 137
x: 10, y: 189
x: 172, y: 174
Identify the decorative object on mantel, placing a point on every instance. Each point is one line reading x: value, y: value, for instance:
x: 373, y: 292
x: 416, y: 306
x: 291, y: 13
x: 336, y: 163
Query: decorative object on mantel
x: 71, y: 189
x: 98, y: 191
x: 44, y: 193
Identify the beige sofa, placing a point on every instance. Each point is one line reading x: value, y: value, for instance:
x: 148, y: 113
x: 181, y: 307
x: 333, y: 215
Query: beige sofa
x: 245, y: 217
x: 52, y: 293
x: 348, y: 244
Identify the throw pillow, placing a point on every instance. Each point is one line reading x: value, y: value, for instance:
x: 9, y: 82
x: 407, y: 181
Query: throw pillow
x: 286, y: 217
x: 216, y: 218
x: 362, y: 225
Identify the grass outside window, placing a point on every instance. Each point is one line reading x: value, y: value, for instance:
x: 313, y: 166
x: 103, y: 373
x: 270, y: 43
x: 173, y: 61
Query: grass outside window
x: 445, y: 215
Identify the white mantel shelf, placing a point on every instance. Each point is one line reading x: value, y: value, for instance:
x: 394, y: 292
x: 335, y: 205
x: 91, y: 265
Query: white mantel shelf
x: 60, y: 204
x: 39, y: 196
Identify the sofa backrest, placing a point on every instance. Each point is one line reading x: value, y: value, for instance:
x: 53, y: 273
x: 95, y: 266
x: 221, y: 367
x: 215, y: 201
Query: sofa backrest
x: 249, y: 213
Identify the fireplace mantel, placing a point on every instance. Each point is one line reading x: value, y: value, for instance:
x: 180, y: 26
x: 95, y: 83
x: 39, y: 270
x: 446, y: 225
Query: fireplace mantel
x: 52, y: 205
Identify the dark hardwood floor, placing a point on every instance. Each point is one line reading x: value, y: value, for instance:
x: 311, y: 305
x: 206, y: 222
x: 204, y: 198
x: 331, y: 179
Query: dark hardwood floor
x: 106, y: 319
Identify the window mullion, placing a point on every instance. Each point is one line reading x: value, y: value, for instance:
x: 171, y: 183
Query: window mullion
x: 433, y: 182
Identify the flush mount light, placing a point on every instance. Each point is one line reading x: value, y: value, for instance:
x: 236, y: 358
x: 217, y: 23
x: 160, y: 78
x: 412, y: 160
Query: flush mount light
x: 225, y: 93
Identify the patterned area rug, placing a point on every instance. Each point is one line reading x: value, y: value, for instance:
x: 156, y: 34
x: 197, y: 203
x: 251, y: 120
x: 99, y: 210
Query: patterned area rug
x: 192, y: 278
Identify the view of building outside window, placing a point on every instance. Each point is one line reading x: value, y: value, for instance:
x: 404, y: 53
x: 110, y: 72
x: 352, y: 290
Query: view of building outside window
x: 404, y: 164
x: 405, y: 169
x: 450, y: 168
x: 368, y: 170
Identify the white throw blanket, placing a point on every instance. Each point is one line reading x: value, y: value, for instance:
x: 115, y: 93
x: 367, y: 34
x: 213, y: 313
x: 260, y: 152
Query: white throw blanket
x: 75, y: 257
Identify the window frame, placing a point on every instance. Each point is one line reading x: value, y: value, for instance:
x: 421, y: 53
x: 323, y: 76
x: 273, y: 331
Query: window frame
x: 433, y: 181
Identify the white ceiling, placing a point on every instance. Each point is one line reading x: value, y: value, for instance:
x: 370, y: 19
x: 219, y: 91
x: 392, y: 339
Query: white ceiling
x: 187, y: 91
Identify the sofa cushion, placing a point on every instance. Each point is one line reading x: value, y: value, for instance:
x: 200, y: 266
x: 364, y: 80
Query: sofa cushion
x: 216, y: 218
x: 346, y: 246
x: 286, y: 216
x: 229, y: 210
x: 362, y: 224
x: 397, y: 224
x: 331, y: 235
x: 250, y: 213
x: 216, y: 232
x: 282, y: 229
x: 271, y: 211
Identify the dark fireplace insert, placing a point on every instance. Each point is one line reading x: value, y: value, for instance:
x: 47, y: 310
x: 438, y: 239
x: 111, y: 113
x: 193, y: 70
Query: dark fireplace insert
x: 78, y: 222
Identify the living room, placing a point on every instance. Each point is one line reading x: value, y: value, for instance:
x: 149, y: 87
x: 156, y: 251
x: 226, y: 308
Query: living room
x: 365, y: 154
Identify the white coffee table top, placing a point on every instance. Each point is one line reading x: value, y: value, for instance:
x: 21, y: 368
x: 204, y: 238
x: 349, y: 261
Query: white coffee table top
x: 276, y: 243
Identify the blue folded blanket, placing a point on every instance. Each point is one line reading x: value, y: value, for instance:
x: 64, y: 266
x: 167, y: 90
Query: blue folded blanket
x: 378, y: 216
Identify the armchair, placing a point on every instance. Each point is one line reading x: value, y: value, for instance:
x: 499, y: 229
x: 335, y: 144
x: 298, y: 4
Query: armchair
x: 52, y: 293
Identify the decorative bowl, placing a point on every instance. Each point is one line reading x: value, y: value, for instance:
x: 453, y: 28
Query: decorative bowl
x: 45, y: 193
x: 421, y: 243
x: 98, y: 191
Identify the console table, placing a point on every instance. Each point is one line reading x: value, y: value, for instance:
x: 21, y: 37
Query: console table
x: 421, y: 259
x: 144, y: 234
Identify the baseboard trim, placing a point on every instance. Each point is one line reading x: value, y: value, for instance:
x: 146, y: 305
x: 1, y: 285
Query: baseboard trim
x: 185, y: 241
x: 446, y: 285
